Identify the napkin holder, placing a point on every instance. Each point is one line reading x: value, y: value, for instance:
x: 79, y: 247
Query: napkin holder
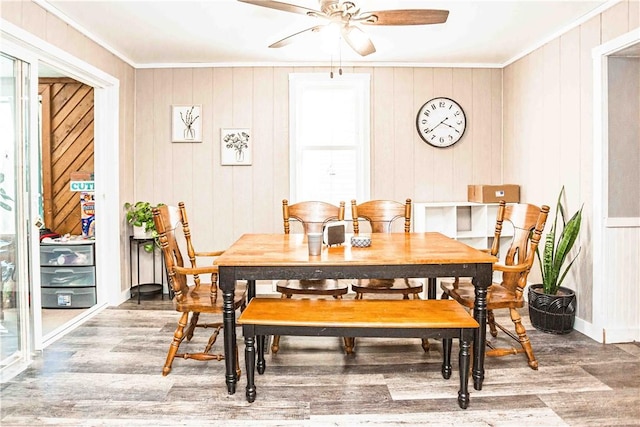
x: 334, y: 232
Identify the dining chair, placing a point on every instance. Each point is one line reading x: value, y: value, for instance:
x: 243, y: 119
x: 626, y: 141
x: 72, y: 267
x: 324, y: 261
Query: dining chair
x: 190, y: 298
x: 313, y: 216
x: 382, y: 215
x: 528, y: 222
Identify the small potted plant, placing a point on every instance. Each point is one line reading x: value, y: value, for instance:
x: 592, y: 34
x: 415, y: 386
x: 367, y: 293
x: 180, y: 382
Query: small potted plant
x: 140, y: 216
x: 551, y: 306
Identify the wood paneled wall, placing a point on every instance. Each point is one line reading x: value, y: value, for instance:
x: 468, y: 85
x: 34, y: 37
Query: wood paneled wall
x: 32, y: 18
x: 548, y: 127
x: 67, y: 146
x: 227, y: 201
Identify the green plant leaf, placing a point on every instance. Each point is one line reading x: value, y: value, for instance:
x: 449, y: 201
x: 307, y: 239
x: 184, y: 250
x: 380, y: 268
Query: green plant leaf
x: 565, y: 243
x: 557, y: 248
x: 141, y: 214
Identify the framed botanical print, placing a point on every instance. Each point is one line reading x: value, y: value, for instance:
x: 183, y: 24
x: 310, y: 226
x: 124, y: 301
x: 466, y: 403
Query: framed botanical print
x: 186, y: 123
x: 235, y: 147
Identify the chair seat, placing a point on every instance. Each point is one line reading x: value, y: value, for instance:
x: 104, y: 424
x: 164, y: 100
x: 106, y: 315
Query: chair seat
x: 199, y: 300
x: 388, y: 286
x: 497, y: 295
x: 312, y: 287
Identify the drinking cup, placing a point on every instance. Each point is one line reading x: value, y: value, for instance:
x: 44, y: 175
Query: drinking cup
x: 315, y: 243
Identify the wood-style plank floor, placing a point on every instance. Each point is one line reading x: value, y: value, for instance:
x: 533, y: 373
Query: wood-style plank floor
x: 108, y: 372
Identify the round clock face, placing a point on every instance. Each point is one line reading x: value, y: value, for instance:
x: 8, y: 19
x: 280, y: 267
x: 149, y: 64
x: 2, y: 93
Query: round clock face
x: 441, y: 122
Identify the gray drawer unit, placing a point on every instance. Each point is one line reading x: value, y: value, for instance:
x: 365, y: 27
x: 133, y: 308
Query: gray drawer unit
x: 68, y: 297
x: 67, y: 275
x: 66, y: 254
x: 62, y: 277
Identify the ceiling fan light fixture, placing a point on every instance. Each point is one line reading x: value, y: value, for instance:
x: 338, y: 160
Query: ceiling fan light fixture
x: 358, y: 40
x: 330, y: 36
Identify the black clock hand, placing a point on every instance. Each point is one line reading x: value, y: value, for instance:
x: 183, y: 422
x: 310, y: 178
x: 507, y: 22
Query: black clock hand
x: 447, y: 124
x: 432, y: 129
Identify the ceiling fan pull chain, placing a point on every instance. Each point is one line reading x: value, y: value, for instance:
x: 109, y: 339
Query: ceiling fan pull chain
x: 331, y: 68
x: 340, y: 53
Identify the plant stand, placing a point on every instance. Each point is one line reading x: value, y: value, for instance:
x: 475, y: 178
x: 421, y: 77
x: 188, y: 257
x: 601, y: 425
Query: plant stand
x: 552, y: 313
x: 149, y: 288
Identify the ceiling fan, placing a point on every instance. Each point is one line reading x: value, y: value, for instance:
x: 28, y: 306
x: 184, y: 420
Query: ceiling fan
x: 346, y: 15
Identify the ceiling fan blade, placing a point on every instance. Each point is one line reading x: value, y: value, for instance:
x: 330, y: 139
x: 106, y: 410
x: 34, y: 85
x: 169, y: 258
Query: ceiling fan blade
x: 289, y: 39
x: 283, y: 6
x: 406, y: 17
x: 358, y: 40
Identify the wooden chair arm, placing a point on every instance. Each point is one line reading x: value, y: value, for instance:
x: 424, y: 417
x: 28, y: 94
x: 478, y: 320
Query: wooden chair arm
x: 209, y: 254
x: 510, y: 268
x: 210, y: 269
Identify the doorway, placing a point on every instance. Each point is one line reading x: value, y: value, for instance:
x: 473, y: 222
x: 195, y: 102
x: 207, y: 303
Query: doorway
x: 35, y: 53
x: 66, y: 154
x: 616, y: 211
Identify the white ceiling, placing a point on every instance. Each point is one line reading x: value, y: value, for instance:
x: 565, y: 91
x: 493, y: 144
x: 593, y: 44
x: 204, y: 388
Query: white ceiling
x: 174, y: 33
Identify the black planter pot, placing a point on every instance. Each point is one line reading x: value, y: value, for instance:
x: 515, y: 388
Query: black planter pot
x: 552, y: 313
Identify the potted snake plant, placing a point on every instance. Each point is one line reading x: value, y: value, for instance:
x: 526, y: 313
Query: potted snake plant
x: 551, y: 306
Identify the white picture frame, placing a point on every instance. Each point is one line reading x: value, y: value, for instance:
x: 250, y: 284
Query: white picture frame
x: 186, y: 123
x: 235, y: 146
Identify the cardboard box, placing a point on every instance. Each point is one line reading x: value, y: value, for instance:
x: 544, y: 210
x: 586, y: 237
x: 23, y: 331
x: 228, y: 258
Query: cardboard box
x: 81, y: 176
x: 510, y: 193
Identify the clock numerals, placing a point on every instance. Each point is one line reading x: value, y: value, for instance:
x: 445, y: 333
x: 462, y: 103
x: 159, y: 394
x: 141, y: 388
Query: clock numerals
x: 441, y: 122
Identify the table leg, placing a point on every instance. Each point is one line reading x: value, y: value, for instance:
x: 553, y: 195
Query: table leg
x: 446, y: 358
x: 463, y: 365
x: 251, y: 289
x: 227, y: 285
x: 260, y: 342
x: 481, y: 282
x: 250, y: 361
x: 431, y: 285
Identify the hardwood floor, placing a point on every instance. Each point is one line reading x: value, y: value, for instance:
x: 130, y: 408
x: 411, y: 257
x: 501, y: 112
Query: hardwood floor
x: 108, y: 372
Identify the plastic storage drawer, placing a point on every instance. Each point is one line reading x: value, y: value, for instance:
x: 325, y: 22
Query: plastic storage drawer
x: 61, y: 276
x: 68, y: 297
x: 66, y: 255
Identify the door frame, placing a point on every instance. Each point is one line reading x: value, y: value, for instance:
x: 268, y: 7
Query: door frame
x: 107, y: 188
x: 602, y: 301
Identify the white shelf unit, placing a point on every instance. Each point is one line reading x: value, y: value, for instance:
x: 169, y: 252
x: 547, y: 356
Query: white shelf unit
x: 471, y: 223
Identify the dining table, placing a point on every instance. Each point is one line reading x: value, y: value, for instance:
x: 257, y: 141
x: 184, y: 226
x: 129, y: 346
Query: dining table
x: 428, y: 255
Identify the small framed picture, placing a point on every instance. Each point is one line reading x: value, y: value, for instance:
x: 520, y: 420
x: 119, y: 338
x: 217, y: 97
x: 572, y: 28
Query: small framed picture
x: 235, y: 147
x: 186, y: 123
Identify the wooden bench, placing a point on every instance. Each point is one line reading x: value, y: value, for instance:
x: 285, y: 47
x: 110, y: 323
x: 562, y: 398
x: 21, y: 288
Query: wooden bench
x: 439, y: 319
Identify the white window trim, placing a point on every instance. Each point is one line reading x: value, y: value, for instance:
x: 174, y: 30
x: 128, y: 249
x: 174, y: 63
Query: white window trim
x: 299, y: 81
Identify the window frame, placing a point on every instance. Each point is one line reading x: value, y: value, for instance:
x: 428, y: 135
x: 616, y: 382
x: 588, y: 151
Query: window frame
x: 361, y: 82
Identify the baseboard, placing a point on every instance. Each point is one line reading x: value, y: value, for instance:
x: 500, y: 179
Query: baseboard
x: 588, y: 329
x: 621, y: 335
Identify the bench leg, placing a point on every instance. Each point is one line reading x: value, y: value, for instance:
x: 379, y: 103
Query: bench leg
x: 261, y: 363
x: 463, y: 362
x: 250, y: 360
x: 446, y: 358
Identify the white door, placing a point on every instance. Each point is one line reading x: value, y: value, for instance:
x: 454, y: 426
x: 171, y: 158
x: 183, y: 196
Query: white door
x: 18, y: 235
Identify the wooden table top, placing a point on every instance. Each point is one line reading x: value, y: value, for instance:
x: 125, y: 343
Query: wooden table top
x: 386, y: 249
x: 428, y: 314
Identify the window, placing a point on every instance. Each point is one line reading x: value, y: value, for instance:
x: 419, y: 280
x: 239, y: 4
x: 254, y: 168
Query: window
x: 329, y: 137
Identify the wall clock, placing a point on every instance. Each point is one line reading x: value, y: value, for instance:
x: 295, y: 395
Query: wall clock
x: 441, y: 122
